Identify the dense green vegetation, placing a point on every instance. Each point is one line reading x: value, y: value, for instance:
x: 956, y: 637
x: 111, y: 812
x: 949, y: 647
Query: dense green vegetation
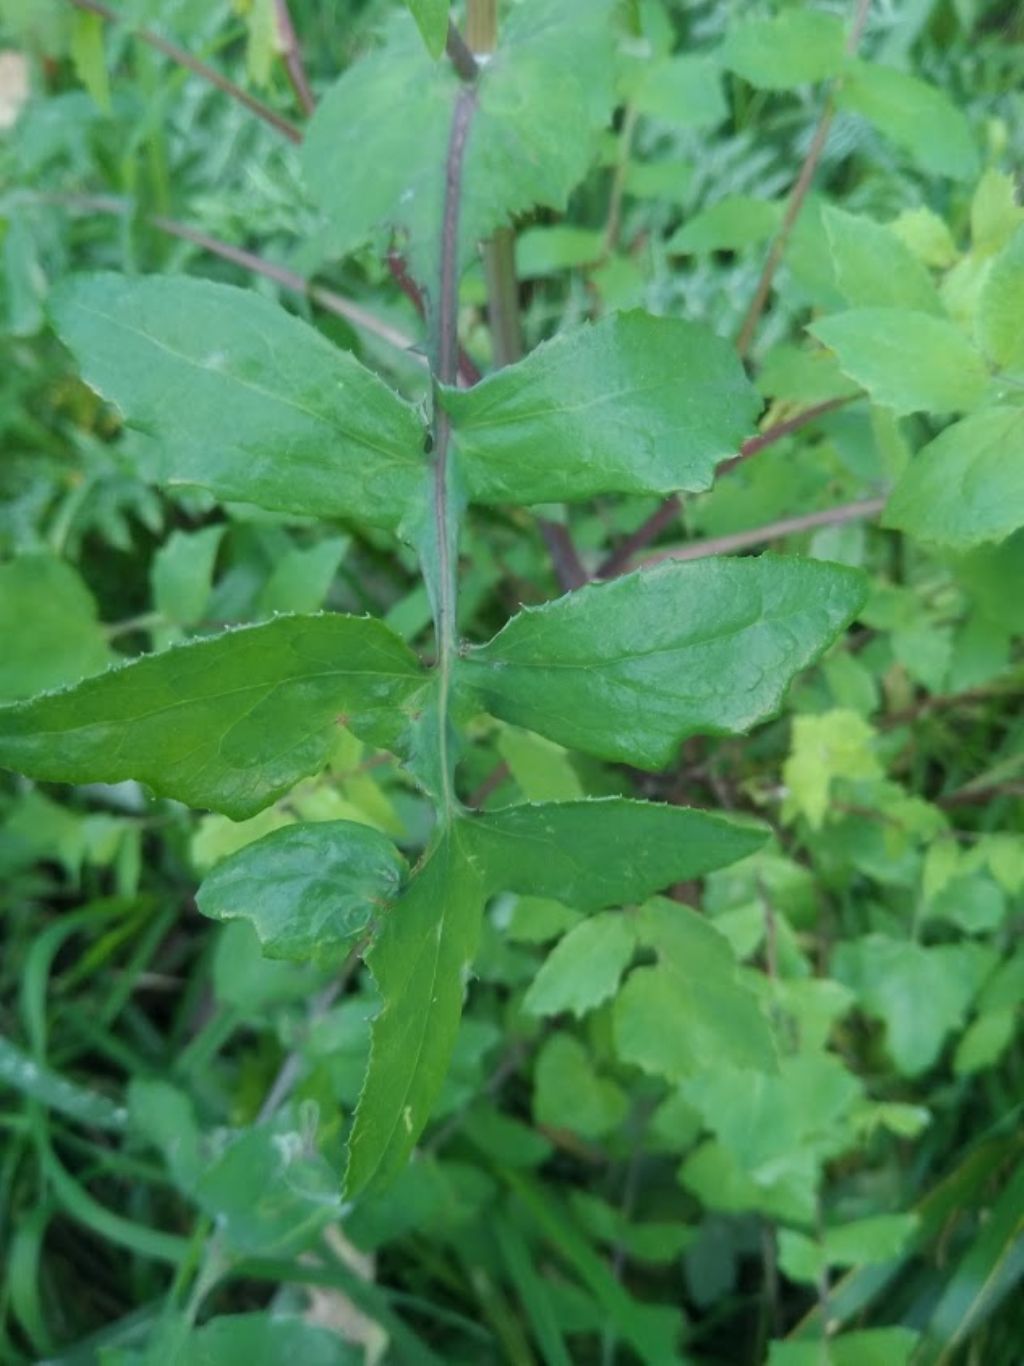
x: 511, y: 566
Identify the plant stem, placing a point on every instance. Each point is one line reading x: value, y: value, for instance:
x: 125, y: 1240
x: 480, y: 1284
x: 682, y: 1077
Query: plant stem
x: 444, y: 363
x: 292, y: 55
x: 798, y: 193
x: 198, y: 68
x: 482, y: 25
x: 773, y: 531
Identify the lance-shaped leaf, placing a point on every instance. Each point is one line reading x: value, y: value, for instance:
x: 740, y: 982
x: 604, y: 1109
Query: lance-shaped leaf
x: 907, y: 360
x: 419, y: 961
x: 689, y: 1013
x: 230, y: 722
x: 626, y: 670
x: 604, y: 852
x: 967, y: 486
x: 632, y: 404
x: 532, y: 135
x: 243, y: 399
x: 310, y: 891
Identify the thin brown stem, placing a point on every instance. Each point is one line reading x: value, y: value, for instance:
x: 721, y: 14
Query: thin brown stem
x: 773, y: 531
x: 468, y: 373
x: 198, y: 68
x: 798, y: 194
x: 460, y: 55
x: 291, y: 53
x: 665, y: 515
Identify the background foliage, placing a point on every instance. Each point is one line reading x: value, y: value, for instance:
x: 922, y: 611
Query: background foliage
x: 177, y: 1102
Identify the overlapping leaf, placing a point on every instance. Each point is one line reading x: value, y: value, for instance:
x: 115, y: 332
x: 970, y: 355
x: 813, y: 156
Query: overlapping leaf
x: 243, y: 399
x: 230, y: 722
x: 626, y: 670
x: 310, y: 890
x: 632, y: 404
x: 593, y: 854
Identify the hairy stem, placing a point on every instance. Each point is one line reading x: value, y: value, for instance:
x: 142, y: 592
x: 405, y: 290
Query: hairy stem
x: 198, y: 68
x: 444, y: 363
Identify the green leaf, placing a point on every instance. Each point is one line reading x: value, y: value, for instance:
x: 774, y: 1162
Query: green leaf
x: 269, y: 1190
x: 48, y: 627
x: 626, y: 670
x: 683, y: 90
x: 730, y: 224
x: 266, y: 1339
x: 689, y: 1012
x: 826, y: 746
x: 243, y: 399
x: 603, y: 852
x: 869, y: 1347
x: 874, y: 268
x: 182, y: 574
x: 967, y: 486
x: 1001, y: 307
x: 89, y: 57
x: 531, y: 139
x: 985, y: 1041
x: 921, y: 994
x: 907, y: 360
x: 419, y: 962
x: 21, y: 1072
x: 793, y: 48
x: 543, y: 772
x: 918, y: 117
x: 231, y: 722
x: 632, y: 404
x: 432, y: 21
x: 995, y: 213
x: 569, y: 1093
x: 585, y: 968
x: 309, y: 890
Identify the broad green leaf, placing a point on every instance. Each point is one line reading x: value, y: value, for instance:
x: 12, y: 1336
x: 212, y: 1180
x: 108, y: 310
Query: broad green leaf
x: 531, y: 139
x: 873, y: 1239
x: 230, y: 722
x: 432, y: 21
x: 309, y: 890
x: 632, y: 404
x: 1000, y: 320
x: 550, y: 250
x: 48, y: 626
x: 984, y: 1041
x: 585, y: 968
x: 967, y: 486
x: 266, y: 1339
x: 183, y: 573
x: 604, y: 852
x: 907, y: 360
x: 874, y: 268
x: 683, y: 90
x: 270, y: 1191
x: 918, y: 117
x: 731, y: 224
x: 927, y: 236
x: 689, y: 1012
x: 792, y: 48
x: 243, y: 399
x: 419, y: 961
x: 569, y: 1093
x: 921, y: 994
x: 628, y: 669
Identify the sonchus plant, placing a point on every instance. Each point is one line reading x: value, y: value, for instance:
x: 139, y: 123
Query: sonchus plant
x: 234, y: 396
